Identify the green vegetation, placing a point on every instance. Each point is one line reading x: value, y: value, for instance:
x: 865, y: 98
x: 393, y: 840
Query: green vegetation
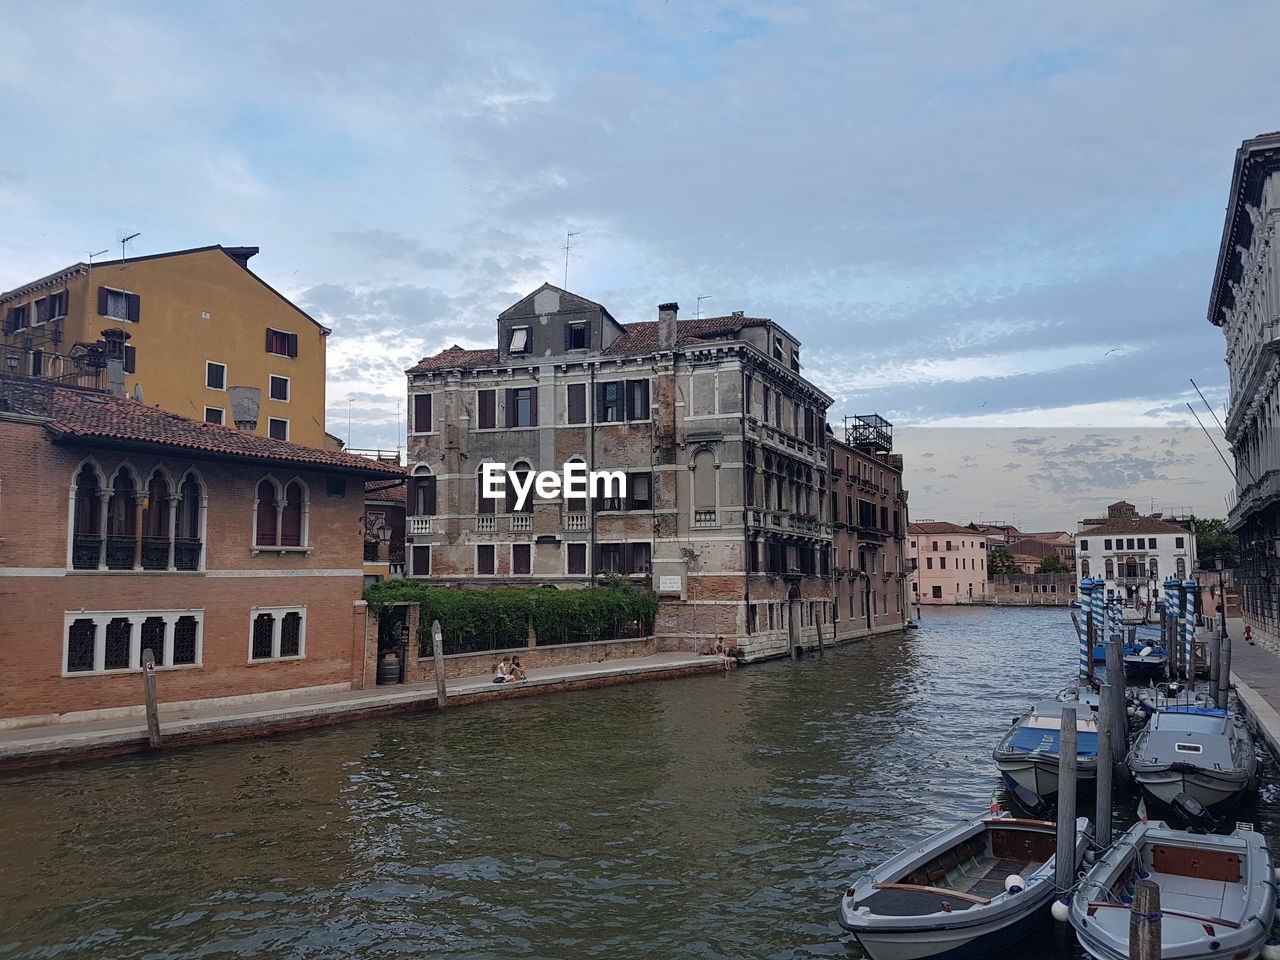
x: 999, y: 560
x: 474, y: 620
x: 1213, y: 541
x: 1053, y: 564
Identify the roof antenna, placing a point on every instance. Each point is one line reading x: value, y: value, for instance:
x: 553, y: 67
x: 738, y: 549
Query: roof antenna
x: 698, y: 312
x: 1215, y: 447
x: 96, y: 253
x: 123, y: 241
x: 568, y: 245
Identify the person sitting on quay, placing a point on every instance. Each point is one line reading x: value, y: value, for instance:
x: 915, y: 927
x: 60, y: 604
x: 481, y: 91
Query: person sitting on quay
x: 517, y: 671
x: 502, y: 671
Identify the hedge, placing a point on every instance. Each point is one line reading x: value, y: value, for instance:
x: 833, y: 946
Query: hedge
x: 475, y: 620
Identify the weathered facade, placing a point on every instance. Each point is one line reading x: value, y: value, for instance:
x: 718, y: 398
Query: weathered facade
x: 1245, y: 303
x: 722, y: 441
x: 869, y: 520
x: 1032, y: 589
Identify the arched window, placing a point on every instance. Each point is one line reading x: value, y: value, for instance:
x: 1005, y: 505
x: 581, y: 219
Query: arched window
x: 1110, y: 570
x: 484, y: 504
x: 1155, y: 568
x: 1182, y: 568
x: 264, y: 528
x: 86, y: 526
x: 520, y: 472
x: 422, y: 493
x: 188, y: 544
x: 156, y: 515
x: 280, y: 517
x: 122, y: 521
x: 291, y: 515
x: 1084, y: 568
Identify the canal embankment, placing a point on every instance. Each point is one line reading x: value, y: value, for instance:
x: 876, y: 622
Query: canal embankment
x: 192, y: 724
x: 1255, y: 675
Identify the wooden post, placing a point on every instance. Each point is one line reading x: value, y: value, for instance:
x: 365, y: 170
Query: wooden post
x: 1119, y: 719
x: 1215, y: 659
x: 1065, y: 864
x: 1133, y: 634
x: 437, y: 651
x: 1106, y: 757
x: 1224, y: 674
x: 1144, y: 921
x: 149, y: 688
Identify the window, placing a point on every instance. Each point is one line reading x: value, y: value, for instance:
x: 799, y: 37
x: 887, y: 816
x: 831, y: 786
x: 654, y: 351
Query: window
x: 576, y: 558
x: 1017, y: 588
x: 576, y: 403
x: 519, y: 342
x: 277, y: 428
x: 623, y: 558
x: 1151, y: 543
x: 1084, y: 545
x: 1179, y: 542
x: 421, y: 557
x: 942, y: 563
x: 937, y: 593
x: 1084, y: 568
x: 484, y: 559
x: 1182, y: 568
x: 610, y: 403
x: 486, y: 409
x: 16, y: 319
x: 215, y: 415
x: 36, y: 366
x: 278, y: 388
x: 521, y: 472
x: 1106, y: 544
x: 119, y: 304
x: 422, y: 413
x: 777, y: 349
x: 484, y: 504
x: 639, y: 492
x: 928, y: 563
x: 215, y: 375
x: 521, y: 554
x: 422, y: 495
x: 277, y: 633
x: 281, y: 515
x: 577, y: 336
x: 1130, y: 544
x: 522, y: 407
x: 130, y: 359
x: 114, y: 640
x: 637, y: 399
x: 282, y: 343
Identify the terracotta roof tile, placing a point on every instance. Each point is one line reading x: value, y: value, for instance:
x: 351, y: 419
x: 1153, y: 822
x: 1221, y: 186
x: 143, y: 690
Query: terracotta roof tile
x: 77, y: 413
x: 1126, y: 525
x: 455, y: 356
x: 941, y: 526
x: 378, y: 490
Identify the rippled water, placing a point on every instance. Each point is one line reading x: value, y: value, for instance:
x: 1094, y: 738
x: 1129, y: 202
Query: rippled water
x: 709, y: 817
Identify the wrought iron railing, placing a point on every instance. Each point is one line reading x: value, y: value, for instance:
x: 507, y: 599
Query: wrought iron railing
x: 186, y: 554
x: 155, y: 553
x: 85, y: 552
x: 120, y: 552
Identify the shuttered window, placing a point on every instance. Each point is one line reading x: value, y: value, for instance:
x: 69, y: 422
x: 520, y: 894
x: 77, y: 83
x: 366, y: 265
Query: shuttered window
x: 484, y: 559
x: 577, y: 558
x: 522, y: 407
x: 421, y: 561
x: 291, y: 517
x: 265, y: 524
x: 119, y: 304
x: 422, y: 413
x: 520, y: 557
x: 577, y: 403
x: 486, y: 409
x: 282, y: 343
x: 637, y: 399
x: 423, y: 498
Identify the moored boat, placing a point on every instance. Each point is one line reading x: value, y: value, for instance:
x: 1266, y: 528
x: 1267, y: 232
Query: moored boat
x: 1196, y: 750
x: 1217, y: 897
x: 1028, y: 754
x: 963, y: 893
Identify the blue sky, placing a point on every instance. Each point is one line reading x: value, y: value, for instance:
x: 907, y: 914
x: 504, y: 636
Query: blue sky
x: 974, y: 215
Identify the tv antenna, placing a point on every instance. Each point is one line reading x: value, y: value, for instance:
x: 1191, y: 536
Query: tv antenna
x: 123, y: 241
x: 568, y: 245
x: 96, y: 253
x: 698, y: 310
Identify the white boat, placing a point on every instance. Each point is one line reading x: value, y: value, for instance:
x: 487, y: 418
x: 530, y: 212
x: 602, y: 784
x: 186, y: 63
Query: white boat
x: 964, y: 893
x: 1027, y: 756
x: 1217, y: 897
x: 1196, y: 750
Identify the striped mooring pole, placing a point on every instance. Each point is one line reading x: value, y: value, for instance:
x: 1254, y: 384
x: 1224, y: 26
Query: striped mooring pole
x: 1189, y: 631
x: 1086, y: 639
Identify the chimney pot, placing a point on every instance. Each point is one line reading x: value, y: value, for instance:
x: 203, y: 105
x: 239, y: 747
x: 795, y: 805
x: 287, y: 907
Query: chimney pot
x: 667, y: 325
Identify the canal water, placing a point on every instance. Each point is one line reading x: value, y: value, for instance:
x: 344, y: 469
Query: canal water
x: 711, y: 817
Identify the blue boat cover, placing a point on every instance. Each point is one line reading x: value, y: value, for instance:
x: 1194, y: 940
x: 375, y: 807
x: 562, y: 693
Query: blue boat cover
x: 1045, y: 741
x: 1192, y: 708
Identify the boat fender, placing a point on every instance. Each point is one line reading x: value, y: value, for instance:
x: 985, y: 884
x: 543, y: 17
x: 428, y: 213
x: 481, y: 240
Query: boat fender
x: 1145, y: 652
x: 1271, y: 951
x: 1276, y: 873
x: 1089, y: 856
x: 1061, y: 911
x: 1131, y: 710
x: 1014, y: 883
x: 865, y: 911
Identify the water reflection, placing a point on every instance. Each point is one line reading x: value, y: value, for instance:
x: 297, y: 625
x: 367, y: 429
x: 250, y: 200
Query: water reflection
x: 711, y: 817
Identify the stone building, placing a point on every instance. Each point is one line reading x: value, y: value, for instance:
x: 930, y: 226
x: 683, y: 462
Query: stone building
x: 721, y: 439
x: 1134, y: 554
x: 1245, y: 303
x: 948, y: 563
x: 869, y: 519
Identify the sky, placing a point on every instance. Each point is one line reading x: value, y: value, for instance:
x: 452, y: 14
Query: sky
x: 974, y: 216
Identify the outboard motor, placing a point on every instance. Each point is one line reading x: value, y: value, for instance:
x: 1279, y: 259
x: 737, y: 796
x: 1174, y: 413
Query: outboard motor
x: 1029, y: 800
x: 1192, y: 812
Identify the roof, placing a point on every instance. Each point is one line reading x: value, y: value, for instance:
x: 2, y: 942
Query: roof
x: 95, y: 416
x: 455, y: 356
x: 941, y: 526
x: 379, y: 490
x: 1124, y: 525
x: 1255, y: 160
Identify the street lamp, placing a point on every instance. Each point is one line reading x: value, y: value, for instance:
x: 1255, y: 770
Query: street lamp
x: 12, y: 361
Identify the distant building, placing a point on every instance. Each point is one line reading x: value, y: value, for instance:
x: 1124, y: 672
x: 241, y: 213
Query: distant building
x: 868, y: 513
x: 194, y: 332
x: 1134, y: 554
x: 1033, y: 589
x: 1244, y: 302
x: 949, y: 563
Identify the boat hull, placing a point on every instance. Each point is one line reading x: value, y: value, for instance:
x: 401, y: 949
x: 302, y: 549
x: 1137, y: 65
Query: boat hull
x: 970, y: 943
x: 1209, y: 788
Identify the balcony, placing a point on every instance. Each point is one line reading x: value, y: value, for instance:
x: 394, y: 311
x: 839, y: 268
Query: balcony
x: 521, y: 522
x: 155, y: 553
x: 486, y: 523
x: 85, y: 552
x: 120, y: 553
x: 423, y: 526
x: 576, y: 522
x: 186, y: 554
x: 704, y: 518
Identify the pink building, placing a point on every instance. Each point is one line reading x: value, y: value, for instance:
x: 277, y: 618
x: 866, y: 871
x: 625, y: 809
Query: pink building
x: 948, y: 562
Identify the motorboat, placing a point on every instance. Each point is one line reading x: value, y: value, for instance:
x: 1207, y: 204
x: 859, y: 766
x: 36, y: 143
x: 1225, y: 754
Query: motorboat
x: 1217, y: 898
x: 1144, y: 661
x: 1195, y: 750
x: 966, y: 892
x: 1027, y: 755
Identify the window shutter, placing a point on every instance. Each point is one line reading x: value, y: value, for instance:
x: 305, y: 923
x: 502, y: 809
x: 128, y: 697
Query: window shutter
x: 533, y: 406
x: 269, y: 331
x: 577, y: 403
x: 568, y: 337
x: 130, y: 359
x: 102, y: 301
x: 265, y: 522
x: 429, y: 495
x: 422, y: 413
x: 488, y: 409
x: 293, y: 344
x: 291, y: 517
x: 511, y: 408
x: 421, y: 561
x: 132, y: 307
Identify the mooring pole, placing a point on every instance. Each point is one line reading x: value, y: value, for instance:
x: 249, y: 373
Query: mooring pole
x: 1065, y: 864
x: 437, y: 652
x: 1119, y: 718
x: 1224, y: 674
x: 1106, y: 757
x: 1144, y: 921
x: 149, y: 689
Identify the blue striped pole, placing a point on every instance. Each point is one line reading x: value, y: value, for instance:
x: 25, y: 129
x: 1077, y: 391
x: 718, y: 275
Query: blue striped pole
x: 1086, y: 606
x: 1189, y: 630
x: 1173, y: 612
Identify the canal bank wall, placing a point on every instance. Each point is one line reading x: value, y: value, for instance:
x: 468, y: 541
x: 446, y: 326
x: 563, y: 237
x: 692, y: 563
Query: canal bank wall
x: 1255, y: 675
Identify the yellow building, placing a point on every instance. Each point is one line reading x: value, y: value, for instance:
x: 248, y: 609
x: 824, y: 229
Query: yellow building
x: 199, y: 323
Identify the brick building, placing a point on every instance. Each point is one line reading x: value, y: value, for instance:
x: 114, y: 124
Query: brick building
x: 721, y: 439
x: 234, y: 557
x: 869, y: 520
x: 948, y: 563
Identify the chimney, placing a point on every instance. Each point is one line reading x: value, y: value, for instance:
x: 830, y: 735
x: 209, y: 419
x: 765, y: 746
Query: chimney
x: 244, y: 407
x: 667, y: 325
x: 113, y: 340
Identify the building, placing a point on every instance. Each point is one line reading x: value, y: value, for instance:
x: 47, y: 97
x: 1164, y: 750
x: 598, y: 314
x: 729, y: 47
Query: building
x: 948, y: 563
x: 720, y: 437
x: 1245, y: 303
x: 1134, y: 554
x: 233, y: 557
x: 869, y: 522
x: 196, y: 331
x: 1030, y: 589
x: 384, y: 527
